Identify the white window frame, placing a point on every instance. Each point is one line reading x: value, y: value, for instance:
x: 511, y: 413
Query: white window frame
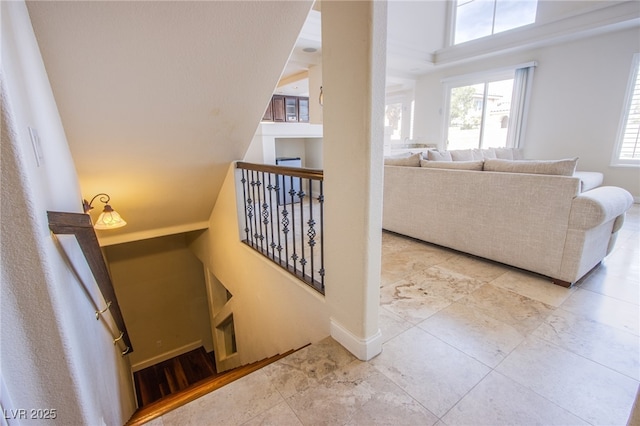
x: 616, y: 161
x: 521, y: 96
x: 452, y: 18
x: 406, y: 125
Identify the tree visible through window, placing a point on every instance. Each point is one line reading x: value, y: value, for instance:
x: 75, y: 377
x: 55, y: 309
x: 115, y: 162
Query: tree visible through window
x: 488, y: 110
x: 478, y: 113
x: 393, y: 120
x: 480, y: 18
x: 628, y: 145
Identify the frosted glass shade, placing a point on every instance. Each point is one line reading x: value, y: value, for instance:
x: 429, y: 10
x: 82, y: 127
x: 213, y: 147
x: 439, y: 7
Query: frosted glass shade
x: 109, y: 219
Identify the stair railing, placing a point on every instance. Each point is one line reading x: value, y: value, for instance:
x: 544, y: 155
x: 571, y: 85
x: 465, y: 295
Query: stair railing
x: 284, y: 218
x: 80, y: 226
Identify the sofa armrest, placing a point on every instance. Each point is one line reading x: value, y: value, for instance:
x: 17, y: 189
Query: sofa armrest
x: 597, y: 206
x: 589, y: 180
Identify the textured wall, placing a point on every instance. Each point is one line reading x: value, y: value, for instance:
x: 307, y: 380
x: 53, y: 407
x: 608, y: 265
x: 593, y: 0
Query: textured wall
x: 55, y: 355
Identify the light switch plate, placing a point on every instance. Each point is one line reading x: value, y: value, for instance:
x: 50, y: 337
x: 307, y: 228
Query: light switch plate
x: 37, y: 148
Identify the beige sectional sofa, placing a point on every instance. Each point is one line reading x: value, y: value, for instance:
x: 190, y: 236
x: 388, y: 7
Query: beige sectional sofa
x: 509, y: 211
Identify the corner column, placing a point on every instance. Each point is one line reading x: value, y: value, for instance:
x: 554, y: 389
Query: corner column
x: 353, y: 74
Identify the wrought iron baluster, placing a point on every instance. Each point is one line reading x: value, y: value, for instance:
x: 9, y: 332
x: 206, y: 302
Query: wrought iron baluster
x: 244, y: 200
x: 285, y: 224
x: 292, y: 193
x: 279, y: 246
x: 301, y: 195
x: 321, y: 202
x: 255, y: 213
x: 259, y: 212
x: 311, y: 232
x: 272, y: 244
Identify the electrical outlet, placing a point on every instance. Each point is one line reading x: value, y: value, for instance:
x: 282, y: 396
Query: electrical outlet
x: 159, y: 343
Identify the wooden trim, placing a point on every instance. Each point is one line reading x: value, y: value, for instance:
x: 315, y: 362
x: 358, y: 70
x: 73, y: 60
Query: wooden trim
x: 80, y: 226
x: 305, y: 173
x: 195, y: 391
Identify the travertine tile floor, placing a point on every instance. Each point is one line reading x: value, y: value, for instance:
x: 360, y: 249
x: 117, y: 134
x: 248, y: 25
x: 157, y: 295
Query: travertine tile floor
x: 467, y: 342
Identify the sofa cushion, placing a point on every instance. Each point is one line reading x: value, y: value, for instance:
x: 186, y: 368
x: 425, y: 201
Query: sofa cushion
x: 487, y: 153
x: 458, y: 165
x: 471, y: 154
x: 413, y: 160
x: 564, y: 167
x: 508, y: 153
x: 462, y: 155
x: 436, y: 155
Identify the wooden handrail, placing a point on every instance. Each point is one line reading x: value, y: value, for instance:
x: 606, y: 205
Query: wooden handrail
x: 79, y: 225
x: 305, y: 173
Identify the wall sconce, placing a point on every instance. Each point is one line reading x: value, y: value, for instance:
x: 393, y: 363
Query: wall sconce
x: 109, y: 218
x: 321, y: 97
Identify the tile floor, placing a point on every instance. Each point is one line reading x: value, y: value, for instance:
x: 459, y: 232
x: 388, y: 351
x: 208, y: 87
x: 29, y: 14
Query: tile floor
x: 467, y: 342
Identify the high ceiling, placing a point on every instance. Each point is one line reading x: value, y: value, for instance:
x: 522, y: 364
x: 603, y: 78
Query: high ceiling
x: 415, y: 29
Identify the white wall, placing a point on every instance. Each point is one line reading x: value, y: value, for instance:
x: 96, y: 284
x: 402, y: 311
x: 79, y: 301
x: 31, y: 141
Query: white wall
x: 577, y: 99
x: 308, y: 149
x: 263, y: 145
x: 55, y: 355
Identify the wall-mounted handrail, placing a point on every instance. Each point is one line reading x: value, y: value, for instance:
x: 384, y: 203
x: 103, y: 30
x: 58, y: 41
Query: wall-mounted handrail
x: 284, y: 217
x: 79, y: 225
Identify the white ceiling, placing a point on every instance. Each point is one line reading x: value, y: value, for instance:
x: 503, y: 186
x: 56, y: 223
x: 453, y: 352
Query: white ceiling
x: 415, y: 30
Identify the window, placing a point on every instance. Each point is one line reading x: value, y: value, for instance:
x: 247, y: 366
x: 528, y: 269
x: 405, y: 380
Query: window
x: 480, y: 18
x: 627, y: 152
x: 398, y: 121
x: 393, y: 120
x: 487, y: 111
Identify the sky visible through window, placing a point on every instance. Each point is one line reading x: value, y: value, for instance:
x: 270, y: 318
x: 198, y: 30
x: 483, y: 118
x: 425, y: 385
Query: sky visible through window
x: 481, y: 18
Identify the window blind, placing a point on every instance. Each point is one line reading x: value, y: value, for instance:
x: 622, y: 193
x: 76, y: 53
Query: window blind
x: 628, y: 146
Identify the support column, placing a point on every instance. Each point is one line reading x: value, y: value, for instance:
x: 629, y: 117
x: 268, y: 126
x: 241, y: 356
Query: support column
x: 353, y: 69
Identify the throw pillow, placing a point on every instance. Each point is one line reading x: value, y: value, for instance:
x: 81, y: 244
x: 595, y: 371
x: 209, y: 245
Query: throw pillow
x: 564, y: 167
x: 458, y: 165
x: 462, y: 155
x: 436, y: 155
x: 412, y: 161
x: 488, y: 153
x: 508, y: 153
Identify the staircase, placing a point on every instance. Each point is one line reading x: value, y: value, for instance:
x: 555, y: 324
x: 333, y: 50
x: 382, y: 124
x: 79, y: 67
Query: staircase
x: 195, y: 391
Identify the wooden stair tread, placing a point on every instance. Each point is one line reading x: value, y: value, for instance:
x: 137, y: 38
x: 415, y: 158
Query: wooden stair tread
x: 195, y: 391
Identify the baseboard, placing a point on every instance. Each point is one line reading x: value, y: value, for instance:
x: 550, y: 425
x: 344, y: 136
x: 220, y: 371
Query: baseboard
x: 363, y: 349
x: 166, y: 355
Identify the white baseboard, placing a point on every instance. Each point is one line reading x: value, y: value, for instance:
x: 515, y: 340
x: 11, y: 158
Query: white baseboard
x: 363, y: 349
x: 165, y: 356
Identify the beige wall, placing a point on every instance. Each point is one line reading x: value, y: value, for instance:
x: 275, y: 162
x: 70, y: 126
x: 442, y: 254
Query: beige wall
x: 160, y: 285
